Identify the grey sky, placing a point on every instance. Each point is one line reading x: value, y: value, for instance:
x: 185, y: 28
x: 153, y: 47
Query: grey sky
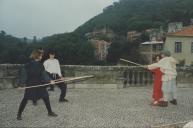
x: 46, y: 17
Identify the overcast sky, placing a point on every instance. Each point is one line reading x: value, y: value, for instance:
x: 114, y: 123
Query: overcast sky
x: 46, y: 17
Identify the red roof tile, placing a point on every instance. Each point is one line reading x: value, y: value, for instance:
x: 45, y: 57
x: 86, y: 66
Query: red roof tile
x: 186, y: 31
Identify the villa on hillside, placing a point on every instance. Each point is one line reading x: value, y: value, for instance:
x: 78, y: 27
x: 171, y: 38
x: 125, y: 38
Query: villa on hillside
x: 100, y: 38
x: 101, y: 48
x: 151, y: 48
x: 133, y: 35
x: 178, y: 40
x: 175, y: 26
x: 180, y: 43
x: 98, y: 34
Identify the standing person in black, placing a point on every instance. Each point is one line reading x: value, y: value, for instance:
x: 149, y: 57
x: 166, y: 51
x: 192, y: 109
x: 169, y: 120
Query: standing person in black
x: 34, y: 74
x: 52, y: 66
x: 41, y: 61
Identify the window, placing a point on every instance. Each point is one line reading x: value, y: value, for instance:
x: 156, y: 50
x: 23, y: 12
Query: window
x: 192, y: 47
x: 178, y: 47
x: 157, y: 47
x: 160, y: 47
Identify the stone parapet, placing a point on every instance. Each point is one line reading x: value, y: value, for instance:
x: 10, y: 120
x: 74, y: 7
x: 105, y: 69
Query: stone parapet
x: 104, y: 76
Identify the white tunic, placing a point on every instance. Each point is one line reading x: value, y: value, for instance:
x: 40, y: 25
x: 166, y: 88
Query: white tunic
x: 52, y: 66
x: 189, y: 125
x: 167, y: 66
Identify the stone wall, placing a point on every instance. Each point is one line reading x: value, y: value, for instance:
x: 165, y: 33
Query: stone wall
x: 9, y: 75
x: 104, y: 76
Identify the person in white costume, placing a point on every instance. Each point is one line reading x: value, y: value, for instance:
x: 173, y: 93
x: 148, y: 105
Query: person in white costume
x: 188, y: 125
x: 52, y: 66
x: 167, y: 66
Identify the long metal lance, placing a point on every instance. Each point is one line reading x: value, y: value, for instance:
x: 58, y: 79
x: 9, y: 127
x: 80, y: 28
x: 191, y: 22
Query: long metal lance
x: 132, y: 62
x: 57, y: 81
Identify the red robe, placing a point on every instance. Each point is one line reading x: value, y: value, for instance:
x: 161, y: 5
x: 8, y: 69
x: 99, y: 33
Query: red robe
x: 157, y: 86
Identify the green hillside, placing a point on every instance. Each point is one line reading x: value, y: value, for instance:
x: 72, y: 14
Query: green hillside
x: 138, y: 15
x: 121, y: 17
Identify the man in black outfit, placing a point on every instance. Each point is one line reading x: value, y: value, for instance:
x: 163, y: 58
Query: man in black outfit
x: 34, y: 74
x: 40, y: 49
x: 52, y: 67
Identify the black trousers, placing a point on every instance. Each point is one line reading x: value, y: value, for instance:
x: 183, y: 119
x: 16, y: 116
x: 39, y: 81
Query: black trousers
x: 25, y: 100
x: 62, y: 86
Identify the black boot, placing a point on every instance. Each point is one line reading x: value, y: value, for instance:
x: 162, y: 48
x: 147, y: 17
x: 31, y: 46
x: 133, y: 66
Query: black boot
x: 19, y: 117
x: 163, y: 103
x: 52, y: 114
x: 63, y: 100
x: 174, y: 102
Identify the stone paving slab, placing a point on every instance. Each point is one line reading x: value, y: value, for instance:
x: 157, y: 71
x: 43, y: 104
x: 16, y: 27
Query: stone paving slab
x: 96, y: 108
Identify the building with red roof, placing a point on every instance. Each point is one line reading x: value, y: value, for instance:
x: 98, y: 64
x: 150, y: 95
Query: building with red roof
x: 180, y: 44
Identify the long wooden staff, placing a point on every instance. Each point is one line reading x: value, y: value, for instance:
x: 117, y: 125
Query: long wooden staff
x: 132, y: 62
x: 167, y: 125
x: 57, y: 81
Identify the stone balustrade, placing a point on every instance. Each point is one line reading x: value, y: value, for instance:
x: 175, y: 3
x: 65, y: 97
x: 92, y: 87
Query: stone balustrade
x: 105, y: 76
x: 137, y: 77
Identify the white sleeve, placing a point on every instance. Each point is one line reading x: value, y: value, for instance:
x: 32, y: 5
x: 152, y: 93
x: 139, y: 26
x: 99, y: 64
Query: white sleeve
x: 58, y: 69
x: 153, y: 66
x: 45, y: 65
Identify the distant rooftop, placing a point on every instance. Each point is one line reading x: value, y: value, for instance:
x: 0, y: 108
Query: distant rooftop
x: 153, y: 42
x: 186, y: 31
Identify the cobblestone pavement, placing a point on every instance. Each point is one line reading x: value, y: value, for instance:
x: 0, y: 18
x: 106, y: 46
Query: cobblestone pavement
x: 94, y: 108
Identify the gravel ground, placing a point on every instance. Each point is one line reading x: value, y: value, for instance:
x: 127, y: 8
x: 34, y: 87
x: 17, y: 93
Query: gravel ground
x: 96, y: 108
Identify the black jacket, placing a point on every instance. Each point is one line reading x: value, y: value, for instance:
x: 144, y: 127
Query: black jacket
x: 33, y: 74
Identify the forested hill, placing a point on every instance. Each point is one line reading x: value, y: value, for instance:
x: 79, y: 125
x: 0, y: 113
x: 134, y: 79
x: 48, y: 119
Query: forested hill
x: 121, y: 17
x: 138, y: 15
